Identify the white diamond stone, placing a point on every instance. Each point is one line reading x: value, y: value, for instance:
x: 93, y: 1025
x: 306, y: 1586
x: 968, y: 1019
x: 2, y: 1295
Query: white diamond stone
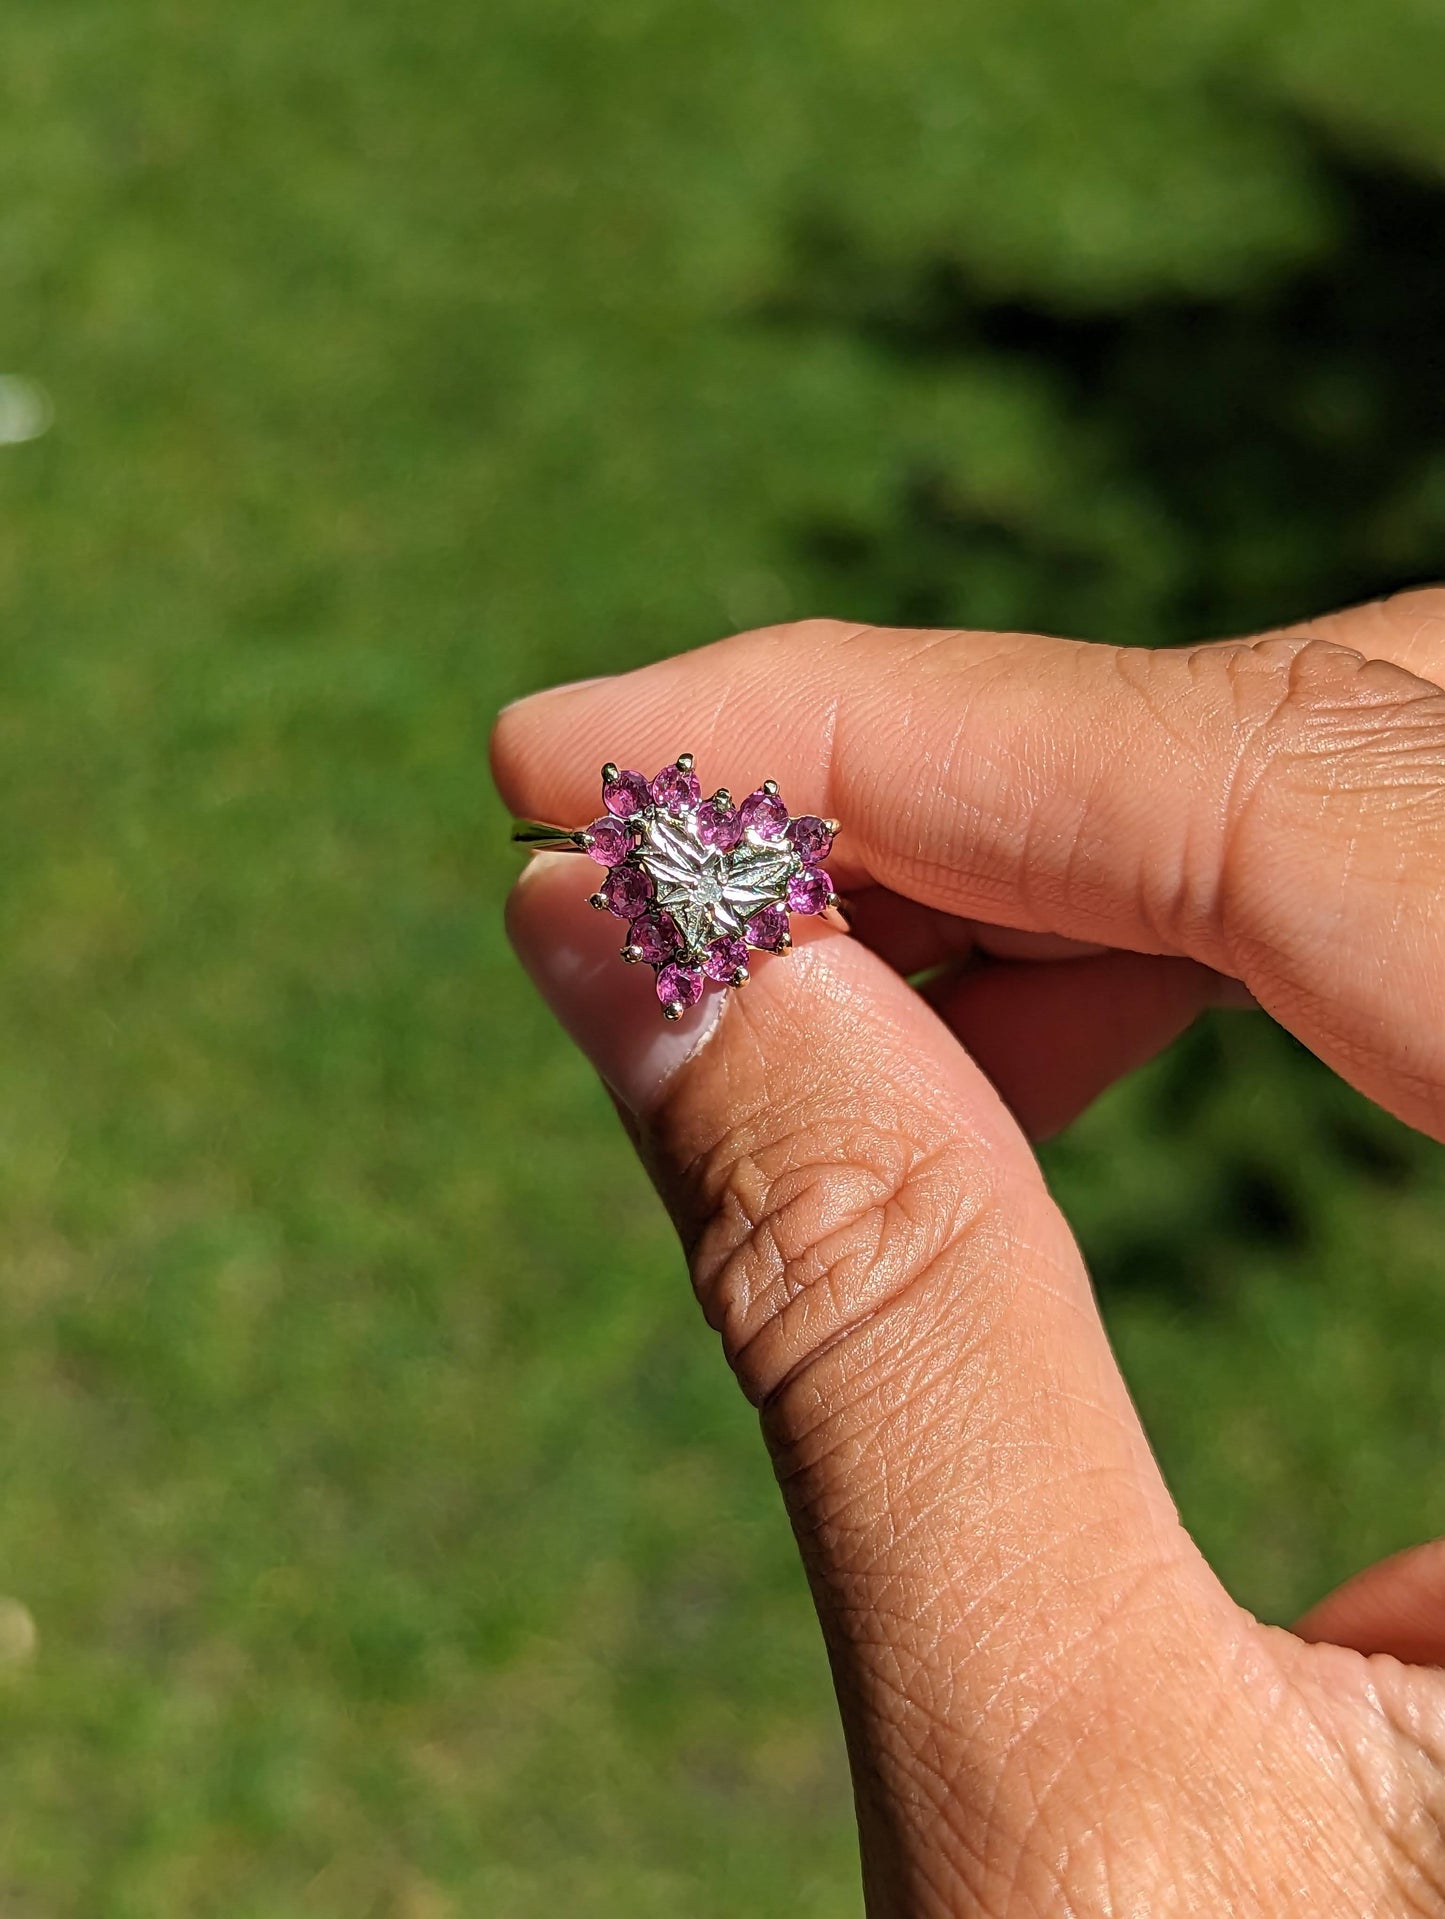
x: 707, y: 892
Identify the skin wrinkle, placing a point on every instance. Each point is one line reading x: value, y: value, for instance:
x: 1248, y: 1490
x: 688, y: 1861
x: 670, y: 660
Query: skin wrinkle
x: 926, y: 1772
x: 845, y: 1245
x: 783, y: 1236
x: 877, y: 1543
x: 1029, y: 1566
x: 1380, y: 1791
x: 1028, y: 1569
x: 1416, y: 1712
x: 1311, y: 724
x: 868, y: 1430
x: 1038, y: 1793
x: 894, y: 1385
x: 874, y: 1604
x: 986, y: 1592
x: 1161, y: 891
x: 874, y: 1527
x: 942, y: 796
x: 1415, y: 609
x: 1201, y: 902
x: 991, y: 1702
x: 1247, y: 765
x: 1398, y: 1807
x: 959, y: 1351
x: 1036, y: 1846
x: 1372, y: 1787
x: 838, y: 748
x: 874, y: 1609
x: 1279, y: 758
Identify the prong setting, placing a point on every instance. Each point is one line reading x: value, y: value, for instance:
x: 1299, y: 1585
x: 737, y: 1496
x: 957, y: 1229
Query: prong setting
x: 703, y: 884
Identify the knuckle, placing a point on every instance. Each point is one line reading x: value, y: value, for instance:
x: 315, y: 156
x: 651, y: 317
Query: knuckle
x: 1406, y: 627
x: 1333, y: 791
x: 1329, y: 719
x: 1307, y: 763
x: 805, y: 1237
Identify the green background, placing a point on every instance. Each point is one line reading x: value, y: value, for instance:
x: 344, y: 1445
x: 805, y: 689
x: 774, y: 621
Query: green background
x: 391, y: 1539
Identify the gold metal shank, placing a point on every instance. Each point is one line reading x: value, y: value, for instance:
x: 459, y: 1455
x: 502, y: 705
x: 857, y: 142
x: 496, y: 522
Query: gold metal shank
x: 535, y: 836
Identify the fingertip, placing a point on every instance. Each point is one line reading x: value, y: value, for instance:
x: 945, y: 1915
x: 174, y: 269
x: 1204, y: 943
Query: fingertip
x: 547, y: 748
x: 552, y: 692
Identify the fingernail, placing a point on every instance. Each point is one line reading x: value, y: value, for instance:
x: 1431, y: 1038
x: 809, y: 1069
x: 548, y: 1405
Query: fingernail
x: 545, y: 692
x: 610, y: 1009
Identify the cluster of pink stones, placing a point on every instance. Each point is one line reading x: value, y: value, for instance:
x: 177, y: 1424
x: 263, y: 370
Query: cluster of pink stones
x: 654, y: 936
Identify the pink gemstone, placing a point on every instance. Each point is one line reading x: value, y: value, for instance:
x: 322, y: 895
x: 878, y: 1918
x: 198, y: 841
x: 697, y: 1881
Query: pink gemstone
x: 679, y: 986
x: 627, y: 892
x: 626, y: 795
x: 654, y: 936
x: 766, y: 929
x: 720, y: 829
x: 811, y: 837
x: 723, y: 958
x: 610, y: 841
x: 675, y: 789
x: 765, y: 813
x: 809, y: 891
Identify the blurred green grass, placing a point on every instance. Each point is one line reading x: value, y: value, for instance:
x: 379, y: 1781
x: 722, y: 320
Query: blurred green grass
x: 395, y: 1542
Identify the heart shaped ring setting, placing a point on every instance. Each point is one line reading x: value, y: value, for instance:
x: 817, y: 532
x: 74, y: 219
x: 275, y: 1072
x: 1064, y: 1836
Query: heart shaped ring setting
x: 703, y: 884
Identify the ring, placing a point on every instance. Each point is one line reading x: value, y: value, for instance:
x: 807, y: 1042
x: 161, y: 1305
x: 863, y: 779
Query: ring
x: 701, y: 883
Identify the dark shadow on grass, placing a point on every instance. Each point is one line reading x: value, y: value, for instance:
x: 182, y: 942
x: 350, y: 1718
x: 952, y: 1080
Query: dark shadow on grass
x: 1292, y: 436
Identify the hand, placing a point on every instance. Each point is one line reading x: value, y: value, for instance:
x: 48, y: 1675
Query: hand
x: 1051, y: 1705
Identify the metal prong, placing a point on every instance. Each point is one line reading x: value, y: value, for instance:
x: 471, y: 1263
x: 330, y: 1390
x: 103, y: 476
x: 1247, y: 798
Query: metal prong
x: 584, y: 840
x: 632, y: 954
x: 597, y: 901
x: 684, y: 762
x: 609, y: 774
x: 770, y: 787
x: 832, y: 827
x: 785, y: 942
x: 722, y: 799
x: 741, y: 976
x: 672, y: 1010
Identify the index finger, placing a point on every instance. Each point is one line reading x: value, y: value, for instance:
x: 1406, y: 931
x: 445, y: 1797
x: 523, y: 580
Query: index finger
x: 1274, y: 809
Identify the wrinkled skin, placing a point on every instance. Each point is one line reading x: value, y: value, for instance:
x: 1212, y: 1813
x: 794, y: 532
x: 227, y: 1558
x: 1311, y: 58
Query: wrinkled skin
x: 1051, y: 1705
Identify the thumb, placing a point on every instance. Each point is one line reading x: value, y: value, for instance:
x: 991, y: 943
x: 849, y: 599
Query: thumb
x: 995, y: 1560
